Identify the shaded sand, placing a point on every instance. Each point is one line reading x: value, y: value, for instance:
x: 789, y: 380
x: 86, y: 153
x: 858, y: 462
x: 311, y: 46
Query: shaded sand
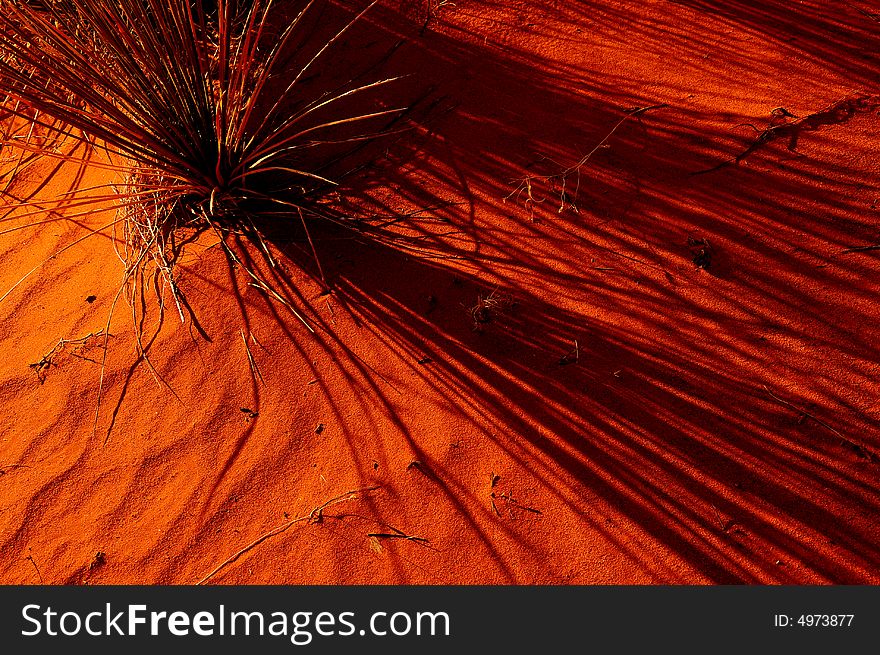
x: 619, y: 414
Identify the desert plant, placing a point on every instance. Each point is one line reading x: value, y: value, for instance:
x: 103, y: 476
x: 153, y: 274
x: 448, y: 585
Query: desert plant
x: 205, y: 109
x: 489, y: 307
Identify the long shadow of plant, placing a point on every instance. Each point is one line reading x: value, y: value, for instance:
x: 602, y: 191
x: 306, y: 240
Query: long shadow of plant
x: 594, y: 368
x: 625, y: 389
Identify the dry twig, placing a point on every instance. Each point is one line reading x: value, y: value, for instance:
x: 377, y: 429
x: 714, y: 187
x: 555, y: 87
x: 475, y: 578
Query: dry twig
x: 47, y: 360
x: 315, y: 516
x: 525, y: 186
x: 862, y: 450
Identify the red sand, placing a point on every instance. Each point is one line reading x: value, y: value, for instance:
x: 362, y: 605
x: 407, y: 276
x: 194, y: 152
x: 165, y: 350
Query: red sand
x: 631, y: 418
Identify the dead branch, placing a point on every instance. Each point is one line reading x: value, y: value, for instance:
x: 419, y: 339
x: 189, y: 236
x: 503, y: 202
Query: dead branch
x: 315, y: 516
